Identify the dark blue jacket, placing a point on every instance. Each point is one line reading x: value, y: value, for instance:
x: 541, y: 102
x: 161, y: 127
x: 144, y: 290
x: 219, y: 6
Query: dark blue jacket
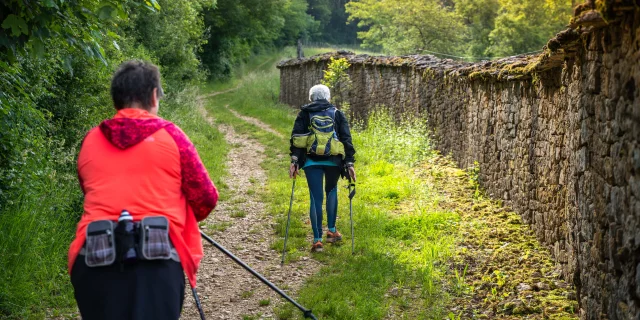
x: 301, y: 126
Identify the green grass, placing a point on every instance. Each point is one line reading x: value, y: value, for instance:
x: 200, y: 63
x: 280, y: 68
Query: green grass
x: 238, y: 213
x: 258, y: 63
x: 221, y: 226
x: 265, y: 302
x: 246, y: 294
x: 402, y: 238
x: 34, y: 239
x: 251, y: 317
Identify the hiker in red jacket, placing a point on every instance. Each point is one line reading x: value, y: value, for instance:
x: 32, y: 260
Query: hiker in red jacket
x: 145, y: 188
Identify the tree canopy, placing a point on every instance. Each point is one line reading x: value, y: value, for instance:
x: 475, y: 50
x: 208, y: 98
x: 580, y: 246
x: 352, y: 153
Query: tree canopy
x: 408, y: 26
x: 471, y: 28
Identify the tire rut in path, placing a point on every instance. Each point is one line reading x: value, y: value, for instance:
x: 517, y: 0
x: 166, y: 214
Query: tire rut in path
x: 226, y: 290
x: 255, y: 122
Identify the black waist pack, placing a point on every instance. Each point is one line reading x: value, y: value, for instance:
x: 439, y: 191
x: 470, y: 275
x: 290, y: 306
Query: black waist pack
x: 152, y: 241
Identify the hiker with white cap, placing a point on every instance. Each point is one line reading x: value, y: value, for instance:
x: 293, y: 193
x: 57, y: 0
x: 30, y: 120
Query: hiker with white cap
x: 321, y: 145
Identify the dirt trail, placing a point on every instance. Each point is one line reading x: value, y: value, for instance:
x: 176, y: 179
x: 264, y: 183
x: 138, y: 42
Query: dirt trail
x: 242, y: 225
x: 256, y: 122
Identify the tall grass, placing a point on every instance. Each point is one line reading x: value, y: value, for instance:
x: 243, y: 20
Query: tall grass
x: 401, y: 237
x: 35, y: 232
x: 406, y: 142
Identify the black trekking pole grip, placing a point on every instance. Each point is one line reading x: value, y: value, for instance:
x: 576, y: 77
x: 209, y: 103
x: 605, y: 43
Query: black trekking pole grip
x: 351, y: 186
x: 307, y: 312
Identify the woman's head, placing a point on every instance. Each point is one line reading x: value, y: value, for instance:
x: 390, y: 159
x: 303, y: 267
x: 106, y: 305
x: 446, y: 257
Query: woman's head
x: 319, y: 92
x: 136, y: 84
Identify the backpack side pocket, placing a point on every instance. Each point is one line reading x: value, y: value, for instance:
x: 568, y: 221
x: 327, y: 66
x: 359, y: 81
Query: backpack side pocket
x: 100, y: 244
x: 155, y: 243
x: 301, y: 140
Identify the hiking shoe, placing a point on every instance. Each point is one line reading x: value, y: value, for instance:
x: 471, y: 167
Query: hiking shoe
x: 317, y: 247
x: 333, y: 236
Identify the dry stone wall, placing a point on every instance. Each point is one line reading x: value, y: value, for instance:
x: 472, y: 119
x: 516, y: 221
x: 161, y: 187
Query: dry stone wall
x: 557, y: 137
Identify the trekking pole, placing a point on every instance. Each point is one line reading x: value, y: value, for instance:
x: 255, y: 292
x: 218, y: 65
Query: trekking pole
x: 198, y: 305
x: 352, y: 193
x: 286, y: 233
x: 307, y: 312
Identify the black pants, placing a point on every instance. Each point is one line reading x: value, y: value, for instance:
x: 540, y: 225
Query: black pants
x: 143, y: 290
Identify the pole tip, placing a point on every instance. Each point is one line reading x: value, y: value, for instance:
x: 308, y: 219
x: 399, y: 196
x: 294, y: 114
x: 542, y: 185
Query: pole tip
x: 309, y: 314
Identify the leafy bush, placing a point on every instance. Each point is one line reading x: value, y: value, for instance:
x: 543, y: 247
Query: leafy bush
x: 338, y: 80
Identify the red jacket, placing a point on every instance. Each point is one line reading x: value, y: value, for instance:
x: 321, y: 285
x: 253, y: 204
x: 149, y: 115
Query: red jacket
x: 146, y: 165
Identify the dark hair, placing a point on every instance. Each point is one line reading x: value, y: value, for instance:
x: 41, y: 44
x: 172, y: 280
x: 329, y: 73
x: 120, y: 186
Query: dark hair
x: 134, y: 82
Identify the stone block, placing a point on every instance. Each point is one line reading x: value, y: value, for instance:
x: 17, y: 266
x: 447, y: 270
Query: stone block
x: 582, y: 159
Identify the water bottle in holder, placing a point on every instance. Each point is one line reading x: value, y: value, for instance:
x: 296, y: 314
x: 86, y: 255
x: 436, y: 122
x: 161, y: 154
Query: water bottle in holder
x: 126, y: 238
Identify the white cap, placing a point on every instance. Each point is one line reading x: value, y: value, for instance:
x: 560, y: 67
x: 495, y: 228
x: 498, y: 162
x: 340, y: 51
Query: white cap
x: 319, y: 92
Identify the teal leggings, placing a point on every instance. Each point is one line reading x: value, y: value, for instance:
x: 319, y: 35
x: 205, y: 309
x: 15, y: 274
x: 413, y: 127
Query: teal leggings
x: 314, y: 176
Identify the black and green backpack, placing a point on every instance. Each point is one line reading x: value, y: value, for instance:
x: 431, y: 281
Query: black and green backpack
x: 322, y: 139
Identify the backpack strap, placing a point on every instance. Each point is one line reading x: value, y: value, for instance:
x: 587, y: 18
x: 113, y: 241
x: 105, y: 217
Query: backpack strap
x: 335, y: 124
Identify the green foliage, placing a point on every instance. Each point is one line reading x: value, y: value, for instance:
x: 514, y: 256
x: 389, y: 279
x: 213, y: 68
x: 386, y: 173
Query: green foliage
x: 157, y: 31
x: 336, y: 73
x: 298, y: 24
x: 479, y: 16
x: 407, y: 26
x: 332, y: 18
x: 265, y: 302
x: 338, y: 80
x: 238, y: 29
x: 526, y: 25
x: 475, y: 29
x: 321, y: 10
x: 81, y: 23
